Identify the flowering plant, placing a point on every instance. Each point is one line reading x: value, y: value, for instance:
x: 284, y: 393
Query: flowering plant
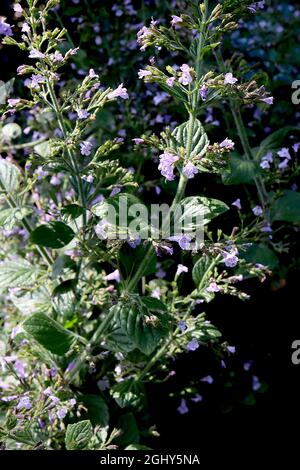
x: 94, y: 305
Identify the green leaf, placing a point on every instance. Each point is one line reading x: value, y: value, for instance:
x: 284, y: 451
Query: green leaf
x: 262, y: 254
x: 131, y: 258
x: 137, y: 325
x: 287, y: 207
x: 9, y: 176
x: 10, y: 132
x: 5, y: 90
x: 18, y: 274
x: 30, y: 302
x: 72, y: 211
x: 49, y: 333
x: 200, y: 140
x: 64, y: 299
x: 43, y: 149
x: 129, y: 393
x: 194, y: 212
x: 241, y: 171
x: 10, y: 216
x: 78, y: 435
x: 53, y: 235
x: 97, y: 410
x: 130, y: 431
x: 200, y: 268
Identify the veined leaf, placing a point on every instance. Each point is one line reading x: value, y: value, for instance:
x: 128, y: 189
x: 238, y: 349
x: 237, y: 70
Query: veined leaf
x: 53, y: 235
x: 9, y: 176
x: 49, y: 333
x: 199, y: 141
x: 18, y: 274
x: 78, y: 435
x: 287, y: 207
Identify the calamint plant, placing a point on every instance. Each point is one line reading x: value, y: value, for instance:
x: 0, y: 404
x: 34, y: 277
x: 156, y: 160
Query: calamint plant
x: 90, y: 314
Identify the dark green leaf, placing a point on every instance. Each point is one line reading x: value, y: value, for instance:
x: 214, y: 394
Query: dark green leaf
x: 287, y: 207
x: 53, y: 235
x: 78, y: 435
x: 97, y: 410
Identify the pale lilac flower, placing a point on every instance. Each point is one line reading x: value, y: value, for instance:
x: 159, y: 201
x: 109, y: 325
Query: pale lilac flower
x: 255, y: 383
x: 182, y: 240
x: 166, y: 165
x: 13, y: 101
x: 114, y: 276
x: 116, y: 190
x: 247, y: 365
x: 230, y: 260
x: 266, y: 229
x: 176, y: 20
x: 36, y: 80
x: 133, y: 243
x: 58, y: 57
x: 21, y: 69
x: 183, y: 409
x: 88, y: 178
x: 62, y: 412
x: 160, y: 97
x: 24, y: 404
x: 227, y: 144
x: 35, y: 54
x: 197, y: 398
x: 284, y: 153
x: 182, y: 326
x: 138, y: 141
x: 268, y: 100
x: 192, y: 345
x: 181, y: 269
x: 19, y: 367
x: 5, y: 28
x: 92, y: 74
x: 189, y: 170
x: 237, y: 204
x: 17, y: 8
x: 83, y: 114
x: 296, y: 147
x: 170, y: 81
x: 257, y: 210
x: 229, y: 79
x: 25, y: 28
x: 223, y: 364
x: 203, y: 92
x: 144, y: 73
x: 266, y: 160
x: 208, y: 379
x: 86, y: 148
x: 72, y: 402
x: 231, y: 349
x: 186, y: 76
x: 119, y: 92
x: 284, y: 164
x: 156, y: 293
x: 213, y: 287
x: 55, y: 180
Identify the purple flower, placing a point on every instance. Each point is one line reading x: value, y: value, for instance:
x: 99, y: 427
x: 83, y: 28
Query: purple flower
x: 35, y: 54
x: 268, y: 100
x: 230, y: 260
x: 36, y: 80
x: 92, y: 73
x: 189, y: 170
x: 213, y: 287
x: 176, y: 20
x: 257, y: 210
x: 55, y: 180
x: 170, y: 81
x: 255, y: 383
x: 229, y: 79
x: 138, y: 141
x: 227, y: 144
x: 186, y: 76
x: 115, y: 190
x: 133, y: 243
x: 192, y: 345
x: 83, y: 114
x: 237, y: 203
x: 208, y: 379
x: 13, y: 101
x: 144, y: 73
x: 266, y: 229
x: 284, y: 164
x: 166, y: 165
x: 62, y: 412
x: 284, y: 153
x: 114, y: 276
x: 231, y: 349
x: 19, y: 367
x: 181, y: 269
x: 58, y: 57
x: 203, y: 92
x: 182, y: 240
x: 247, y: 365
x: 5, y: 28
x: 197, y: 398
x: 183, y: 409
x: 182, y: 326
x: 119, y: 92
x: 85, y: 148
x: 25, y: 28
x: 17, y: 8
x: 24, y: 404
x: 296, y: 147
x: 88, y: 178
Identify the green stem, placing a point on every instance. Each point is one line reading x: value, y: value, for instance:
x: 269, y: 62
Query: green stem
x: 23, y: 146
x: 71, y: 155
